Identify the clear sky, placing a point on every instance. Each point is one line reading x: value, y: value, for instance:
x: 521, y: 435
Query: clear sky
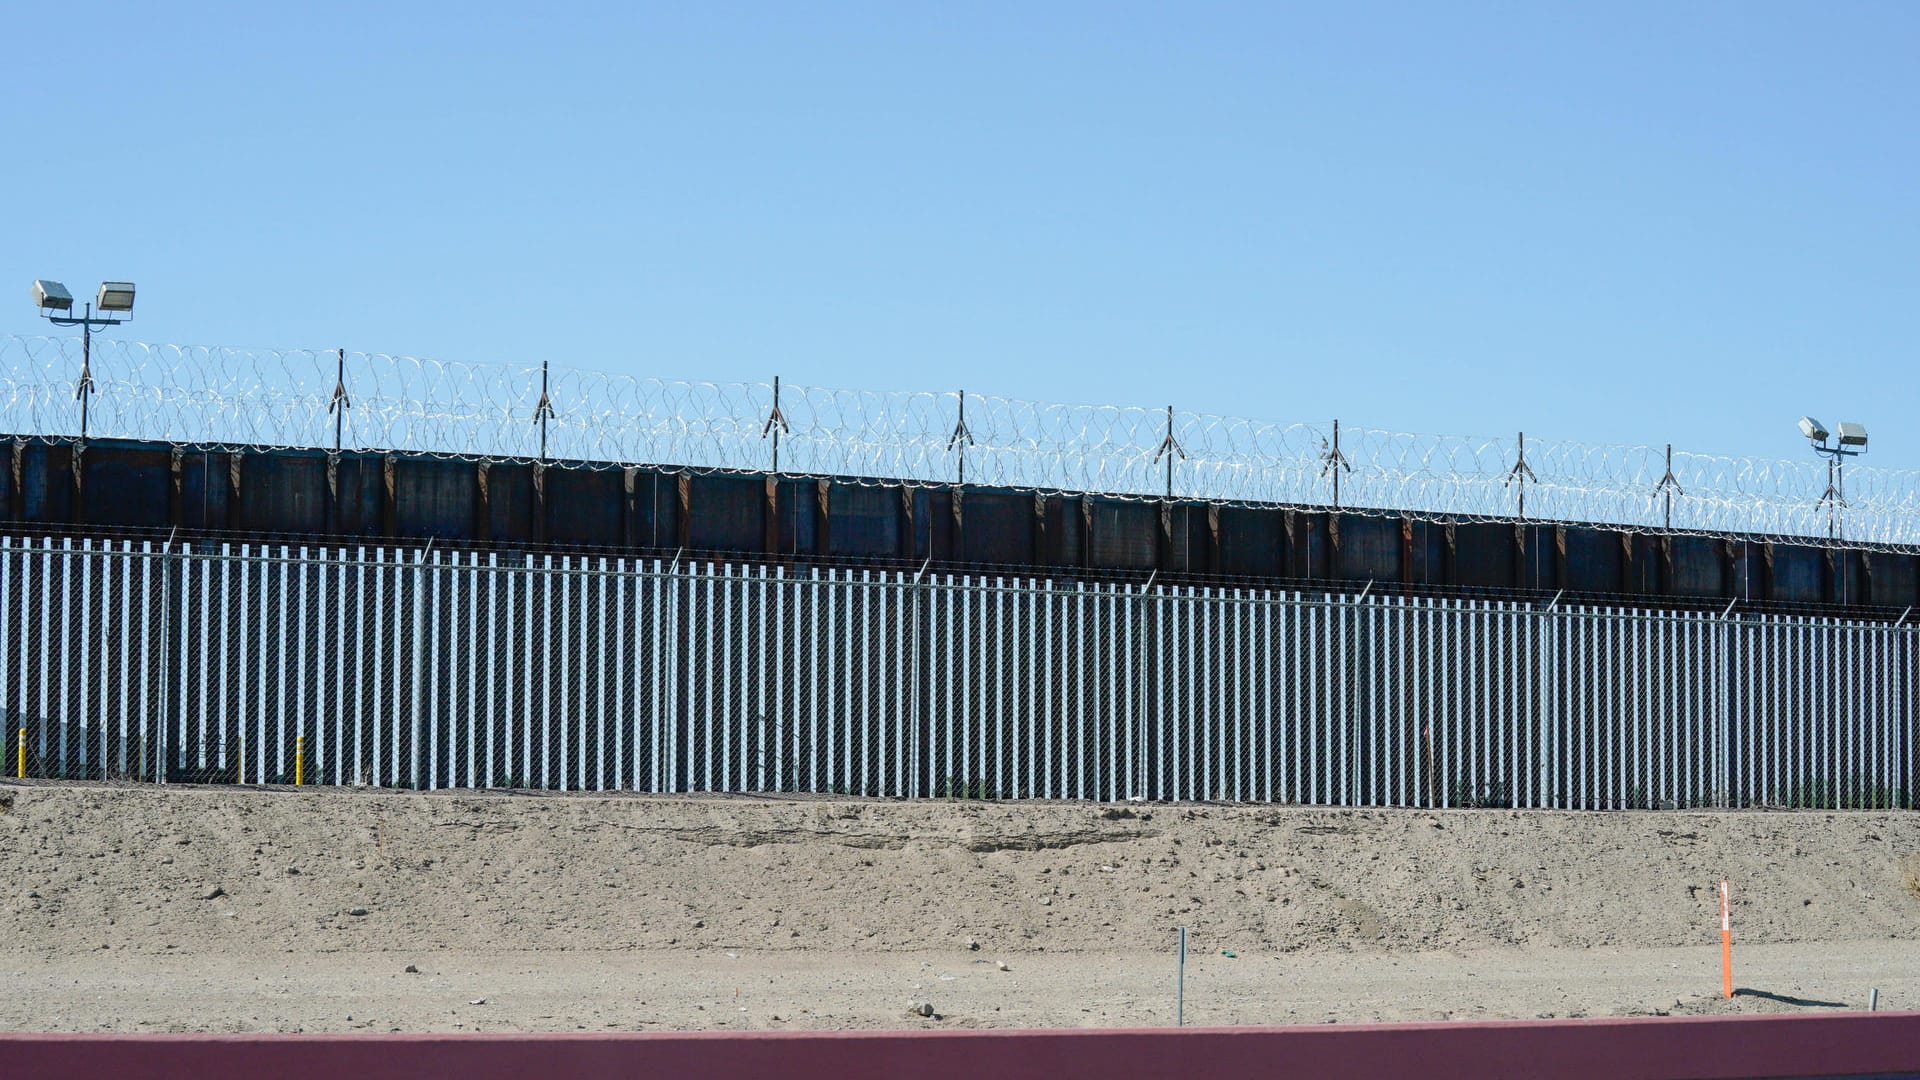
x: 1609, y: 221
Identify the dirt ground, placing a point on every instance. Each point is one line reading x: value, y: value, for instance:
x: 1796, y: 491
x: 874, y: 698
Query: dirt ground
x: 139, y: 908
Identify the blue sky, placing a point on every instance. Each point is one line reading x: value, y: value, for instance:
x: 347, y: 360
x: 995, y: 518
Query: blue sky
x: 1609, y: 222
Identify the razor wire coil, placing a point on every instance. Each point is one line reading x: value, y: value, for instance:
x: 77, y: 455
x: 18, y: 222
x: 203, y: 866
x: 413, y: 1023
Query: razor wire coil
x: 219, y: 398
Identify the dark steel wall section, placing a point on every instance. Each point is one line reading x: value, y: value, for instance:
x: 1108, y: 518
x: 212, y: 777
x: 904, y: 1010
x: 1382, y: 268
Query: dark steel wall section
x: 407, y: 499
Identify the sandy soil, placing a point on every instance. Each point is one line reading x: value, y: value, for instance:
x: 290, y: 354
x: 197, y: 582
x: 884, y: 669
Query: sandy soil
x: 222, y: 909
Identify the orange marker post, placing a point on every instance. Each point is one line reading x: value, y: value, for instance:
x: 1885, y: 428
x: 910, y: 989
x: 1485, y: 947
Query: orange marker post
x: 1726, y: 943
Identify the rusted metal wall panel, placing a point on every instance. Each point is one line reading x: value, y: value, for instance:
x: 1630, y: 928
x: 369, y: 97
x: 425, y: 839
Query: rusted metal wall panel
x: 1484, y: 556
x: 1698, y: 567
x: 1066, y: 533
x: 204, y: 488
x: 434, y: 498
x: 998, y: 528
x: 1595, y: 560
x: 1122, y: 535
x: 1799, y: 573
x: 46, y: 492
x: 656, y: 509
x: 588, y: 507
x: 1253, y: 543
x: 863, y: 521
x: 282, y: 494
x: 1895, y: 581
x: 509, y: 503
x: 799, y: 509
x: 728, y: 513
x: 1369, y: 548
x: 126, y: 487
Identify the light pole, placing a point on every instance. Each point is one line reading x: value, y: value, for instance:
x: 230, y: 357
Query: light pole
x: 1851, y: 443
x: 51, y: 298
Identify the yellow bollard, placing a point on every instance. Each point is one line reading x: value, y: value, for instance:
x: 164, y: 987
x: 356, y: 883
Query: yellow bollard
x: 20, y: 770
x: 299, y: 760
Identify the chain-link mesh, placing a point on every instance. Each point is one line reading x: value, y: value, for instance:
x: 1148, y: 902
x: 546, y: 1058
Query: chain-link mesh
x: 419, y: 669
x: 257, y: 398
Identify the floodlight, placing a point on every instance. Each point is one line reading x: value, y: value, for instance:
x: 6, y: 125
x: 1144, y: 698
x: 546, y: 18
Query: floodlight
x: 52, y: 296
x: 1852, y: 434
x: 115, y: 296
x: 1813, y: 429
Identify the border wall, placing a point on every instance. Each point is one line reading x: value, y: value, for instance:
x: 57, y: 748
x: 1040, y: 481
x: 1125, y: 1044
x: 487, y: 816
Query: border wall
x: 56, y: 487
x: 435, y: 668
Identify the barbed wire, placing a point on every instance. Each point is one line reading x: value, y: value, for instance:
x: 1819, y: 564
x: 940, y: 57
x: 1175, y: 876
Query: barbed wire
x: 221, y: 398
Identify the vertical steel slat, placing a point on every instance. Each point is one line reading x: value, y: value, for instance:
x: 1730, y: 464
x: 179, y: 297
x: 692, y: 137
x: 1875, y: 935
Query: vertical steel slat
x: 1771, y: 707
x: 906, y: 650
x: 1292, y: 637
x: 122, y: 573
x: 783, y: 675
x: 1552, y: 712
x: 1152, y: 667
x: 1340, y: 701
x: 1056, y: 663
x: 68, y: 662
x: 1620, y: 701
x: 150, y: 631
x: 318, y: 748
x: 836, y: 727
x: 968, y: 676
x: 1081, y: 719
x: 494, y: 715
x: 385, y: 691
x: 429, y: 675
x: 1689, y: 736
x: 815, y: 690
x: 947, y: 597
x: 44, y: 576
x: 1311, y: 688
x: 602, y: 637
x: 1786, y: 724
x: 1260, y: 703
x: 1877, y: 747
x: 1239, y: 700
x: 7, y: 637
x: 84, y: 715
x: 1120, y: 765
x: 276, y: 751
x: 336, y: 747
x: 656, y: 596
x: 873, y: 694
x: 1027, y: 698
x: 1501, y: 692
x: 1455, y: 714
x: 220, y: 713
x: 1793, y: 776
x: 762, y: 709
x: 720, y: 672
x: 1380, y: 773
x: 545, y: 680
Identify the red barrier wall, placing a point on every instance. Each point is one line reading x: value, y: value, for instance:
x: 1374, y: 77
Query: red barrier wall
x: 1740, y: 1046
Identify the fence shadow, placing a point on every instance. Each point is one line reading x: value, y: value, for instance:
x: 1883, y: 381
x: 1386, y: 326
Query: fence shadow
x: 1805, y: 1003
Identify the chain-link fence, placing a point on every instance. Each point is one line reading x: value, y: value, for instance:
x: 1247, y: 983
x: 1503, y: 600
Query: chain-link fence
x: 433, y: 669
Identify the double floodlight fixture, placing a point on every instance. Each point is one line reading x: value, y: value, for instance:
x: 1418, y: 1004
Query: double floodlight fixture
x: 111, y: 306
x: 1852, y: 437
x: 115, y: 298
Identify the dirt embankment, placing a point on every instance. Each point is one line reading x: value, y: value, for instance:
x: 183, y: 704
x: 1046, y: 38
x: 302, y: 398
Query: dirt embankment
x: 185, y: 871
